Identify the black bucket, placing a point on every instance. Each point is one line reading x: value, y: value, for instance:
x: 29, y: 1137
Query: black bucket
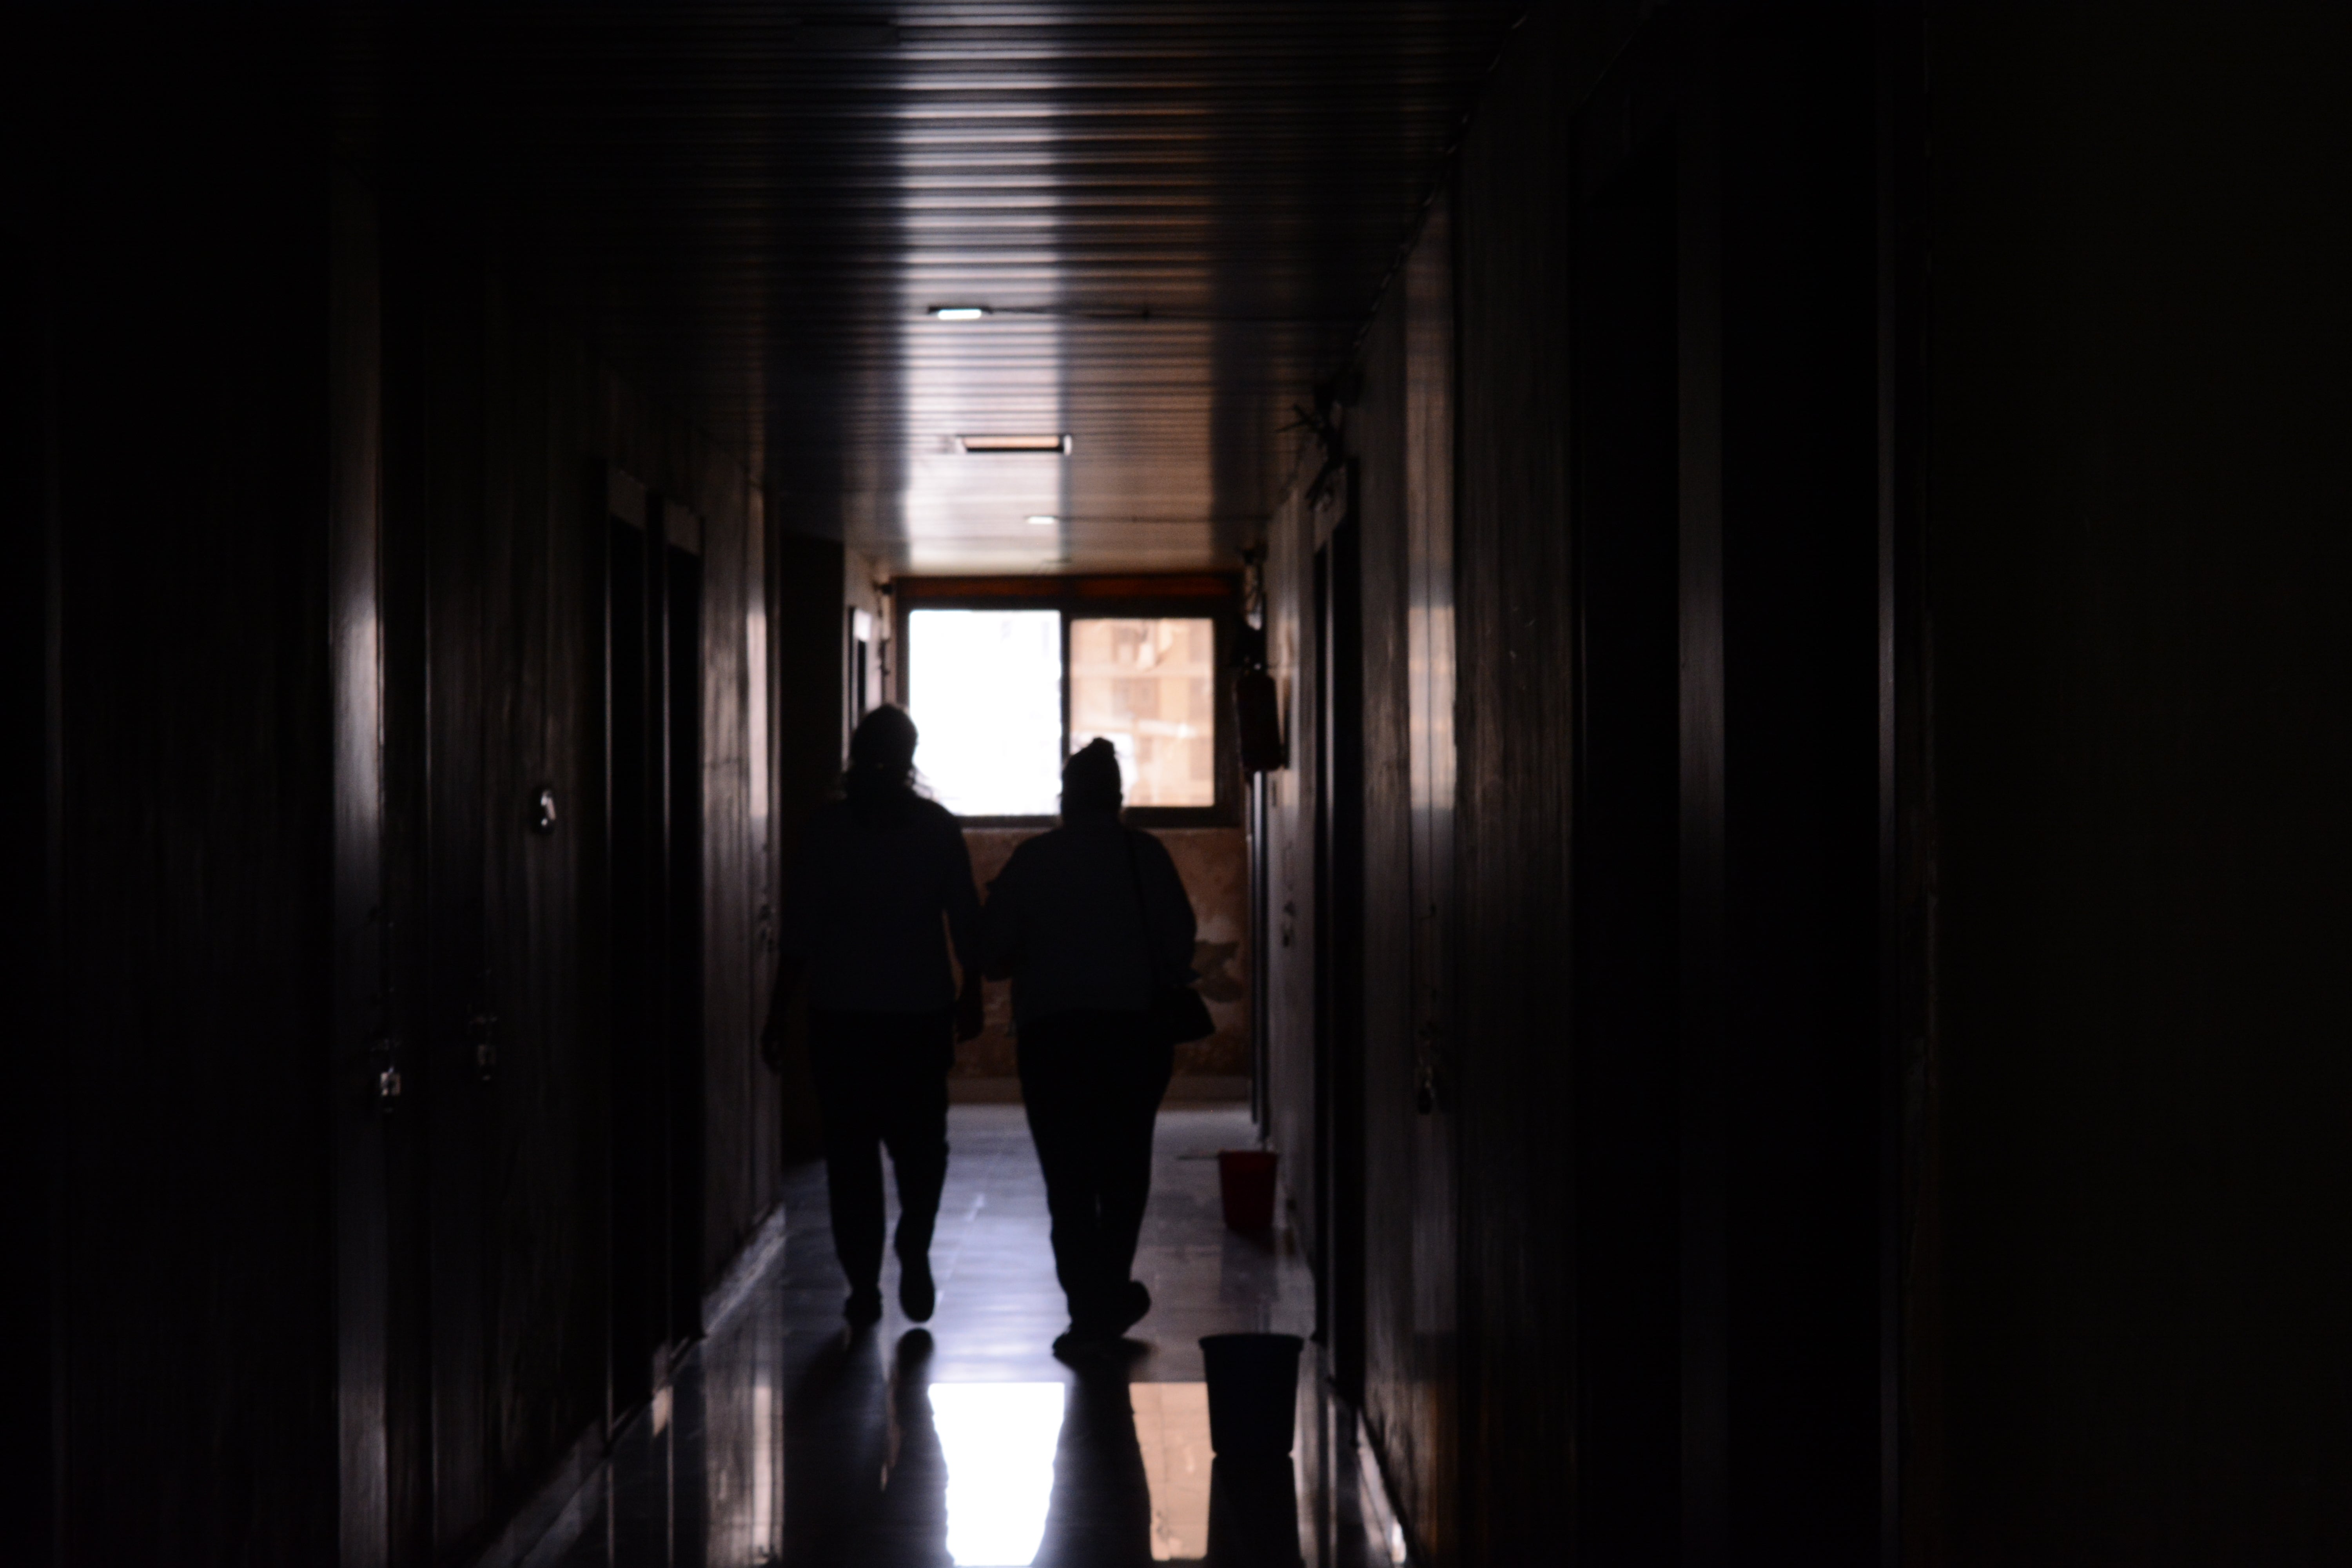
x: 1253, y: 1390
x: 1252, y: 1511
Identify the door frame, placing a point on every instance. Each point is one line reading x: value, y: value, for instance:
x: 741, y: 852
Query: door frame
x: 1336, y: 568
x: 651, y: 615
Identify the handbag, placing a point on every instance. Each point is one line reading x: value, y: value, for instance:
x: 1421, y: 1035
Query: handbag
x: 1177, y: 1015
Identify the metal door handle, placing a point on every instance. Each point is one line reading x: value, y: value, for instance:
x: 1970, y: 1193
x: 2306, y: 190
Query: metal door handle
x: 485, y: 1051
x: 387, y: 1078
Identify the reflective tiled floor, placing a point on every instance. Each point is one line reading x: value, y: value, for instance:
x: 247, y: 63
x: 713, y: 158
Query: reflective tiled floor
x: 788, y: 1438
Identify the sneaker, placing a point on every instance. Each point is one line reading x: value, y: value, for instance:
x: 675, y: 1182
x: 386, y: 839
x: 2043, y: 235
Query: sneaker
x: 1097, y: 1329
x: 864, y: 1306
x: 917, y: 1293
x: 1133, y: 1303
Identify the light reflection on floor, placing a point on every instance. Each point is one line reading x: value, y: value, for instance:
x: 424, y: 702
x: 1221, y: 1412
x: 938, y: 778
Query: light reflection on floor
x: 1171, y: 1427
x: 798, y: 1441
x: 999, y: 1440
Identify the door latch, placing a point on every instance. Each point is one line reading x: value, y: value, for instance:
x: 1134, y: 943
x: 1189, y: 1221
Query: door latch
x: 387, y: 1078
x: 480, y: 1028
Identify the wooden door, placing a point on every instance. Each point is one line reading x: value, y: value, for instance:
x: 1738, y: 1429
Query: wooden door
x: 635, y: 786
x: 653, y: 617
x: 1625, y: 850
x: 1339, y: 954
x: 682, y: 1032
x: 365, y: 1061
x: 1430, y: 674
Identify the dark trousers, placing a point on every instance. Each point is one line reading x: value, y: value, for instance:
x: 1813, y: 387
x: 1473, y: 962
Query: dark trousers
x: 1093, y: 1092
x: 882, y: 1078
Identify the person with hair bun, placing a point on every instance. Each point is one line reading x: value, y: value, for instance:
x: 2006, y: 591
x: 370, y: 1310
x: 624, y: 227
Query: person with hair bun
x: 882, y: 885
x: 1089, y: 920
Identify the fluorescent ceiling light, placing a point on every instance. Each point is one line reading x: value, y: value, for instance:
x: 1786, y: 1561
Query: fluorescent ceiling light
x: 1043, y: 520
x: 1014, y: 443
x: 958, y: 313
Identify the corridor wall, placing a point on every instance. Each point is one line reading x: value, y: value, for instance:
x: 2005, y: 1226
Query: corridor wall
x: 170, y: 495
x: 294, y: 1318
x: 1605, y: 1104
x: 2139, y: 491
x: 1893, y: 1064
x: 511, y: 455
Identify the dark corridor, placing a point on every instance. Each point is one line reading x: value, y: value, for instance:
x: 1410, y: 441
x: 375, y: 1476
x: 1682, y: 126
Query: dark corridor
x: 1732, y: 611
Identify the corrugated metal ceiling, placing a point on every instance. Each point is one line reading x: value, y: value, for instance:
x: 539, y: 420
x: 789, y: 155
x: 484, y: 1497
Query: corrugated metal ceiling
x: 1179, y: 216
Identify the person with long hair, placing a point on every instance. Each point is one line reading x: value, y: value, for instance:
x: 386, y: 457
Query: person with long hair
x: 883, y: 883
x: 1089, y: 922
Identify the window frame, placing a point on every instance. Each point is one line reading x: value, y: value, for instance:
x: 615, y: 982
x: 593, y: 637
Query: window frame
x: 1213, y: 597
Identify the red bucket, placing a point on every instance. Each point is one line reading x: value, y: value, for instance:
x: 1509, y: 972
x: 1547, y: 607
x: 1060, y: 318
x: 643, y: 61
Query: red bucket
x: 1246, y: 1178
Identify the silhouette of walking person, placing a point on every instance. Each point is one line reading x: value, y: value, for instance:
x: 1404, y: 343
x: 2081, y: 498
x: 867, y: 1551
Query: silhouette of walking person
x: 882, y: 882
x: 1090, y: 920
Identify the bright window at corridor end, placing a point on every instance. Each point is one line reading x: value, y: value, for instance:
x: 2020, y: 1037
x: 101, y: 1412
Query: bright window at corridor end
x: 1149, y: 687
x: 984, y: 688
x: 1002, y: 698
